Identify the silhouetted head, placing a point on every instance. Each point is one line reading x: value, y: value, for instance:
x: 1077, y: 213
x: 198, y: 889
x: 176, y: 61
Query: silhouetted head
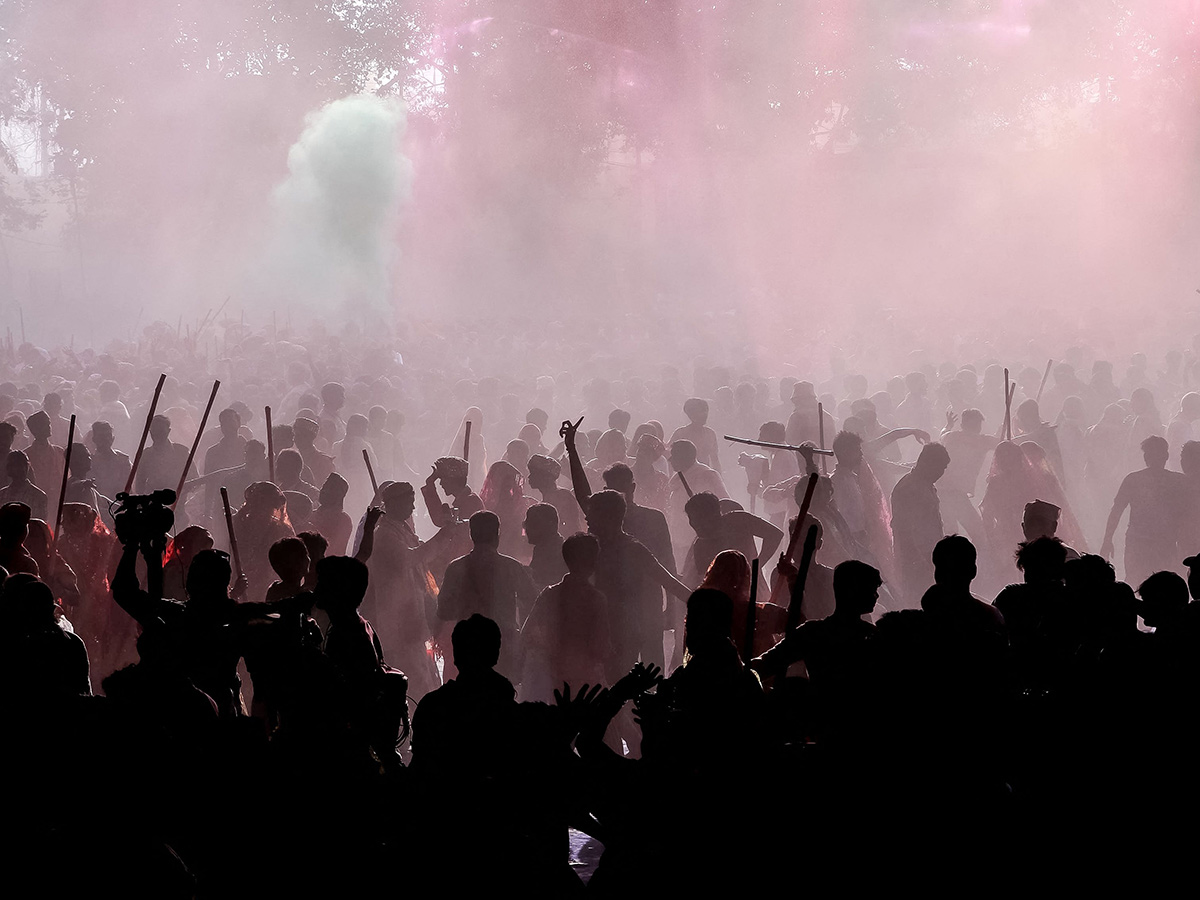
x: 357, y: 426
x: 109, y: 391
x: 53, y: 403
x: 541, y: 523
x: 208, y: 576
x: 538, y: 417
x: 847, y: 447
x: 333, y: 395
x: 341, y: 584
x: 399, y: 500
x: 1029, y: 416
x: 102, y: 435
x: 619, y: 420
x: 1041, y: 560
x: 39, y: 425
x: 160, y: 429
x: 931, y: 462
x: 230, y: 422
x: 543, y: 472
x: 333, y: 491
x: 516, y: 454
x: 289, y: 558
x: 476, y: 644
x: 1164, y: 597
x: 972, y: 421
x: 305, y: 431
x: 708, y: 624
x: 580, y: 552
x: 606, y: 514
x: 954, y: 562
x: 14, y: 523
x: 610, y: 448
x: 485, y: 529
x: 704, y: 513
x: 1189, y: 406
x: 28, y: 604
x: 1155, y: 452
x: 452, y: 472
x: 81, y: 461
x: 683, y: 455
x: 1193, y: 579
x: 1040, y: 519
x: 855, y: 588
x: 1189, y: 458
x: 17, y: 465
x: 619, y: 477
x: 288, y: 466
x: 254, y: 452
x: 696, y: 410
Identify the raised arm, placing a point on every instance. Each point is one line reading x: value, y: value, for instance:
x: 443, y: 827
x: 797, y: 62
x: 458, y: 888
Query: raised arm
x: 367, y: 545
x: 438, y: 511
x: 896, y: 434
x: 579, y: 479
x: 759, y: 527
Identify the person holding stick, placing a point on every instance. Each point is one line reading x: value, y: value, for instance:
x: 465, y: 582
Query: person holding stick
x: 691, y: 478
x: 46, y: 459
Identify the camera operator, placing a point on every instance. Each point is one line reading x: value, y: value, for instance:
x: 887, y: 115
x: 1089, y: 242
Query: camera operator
x: 209, y: 627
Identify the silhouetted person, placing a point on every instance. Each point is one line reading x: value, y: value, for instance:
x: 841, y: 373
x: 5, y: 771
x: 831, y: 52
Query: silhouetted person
x: 544, y: 473
x: 950, y: 601
x: 110, y: 467
x: 1040, y: 520
x: 734, y: 530
x: 703, y: 438
x: 329, y: 518
x: 541, y: 531
x: 968, y: 448
x: 1155, y: 498
x: 917, y: 520
x: 321, y: 465
x: 47, y: 459
x: 162, y: 461
x: 487, y: 583
x: 566, y: 637
x: 19, y: 488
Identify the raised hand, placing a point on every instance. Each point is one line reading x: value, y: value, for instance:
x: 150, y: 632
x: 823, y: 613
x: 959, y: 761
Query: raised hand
x: 372, y: 518
x: 637, y: 680
x: 951, y: 418
x: 567, y: 431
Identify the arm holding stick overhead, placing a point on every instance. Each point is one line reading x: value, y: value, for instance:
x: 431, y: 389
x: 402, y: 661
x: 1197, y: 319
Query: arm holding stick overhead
x: 137, y: 457
x: 367, y: 545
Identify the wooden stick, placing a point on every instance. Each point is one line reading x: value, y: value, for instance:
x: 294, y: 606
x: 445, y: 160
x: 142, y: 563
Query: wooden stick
x: 793, y: 539
x: 821, y: 431
x: 467, y: 447
x: 233, y: 547
x: 804, y: 506
x: 1045, y: 375
x: 371, y: 473
x: 270, y: 449
x: 817, y: 451
x: 810, y: 548
x: 1007, y: 404
x: 195, y: 444
x: 1008, y: 412
x: 137, y: 457
x: 687, y: 487
x: 751, y: 615
x: 62, y: 493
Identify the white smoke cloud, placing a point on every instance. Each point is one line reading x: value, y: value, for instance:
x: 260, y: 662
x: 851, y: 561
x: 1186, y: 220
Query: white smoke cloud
x: 332, y: 247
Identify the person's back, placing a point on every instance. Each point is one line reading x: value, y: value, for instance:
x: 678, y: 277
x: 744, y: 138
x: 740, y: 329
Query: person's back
x: 566, y: 636
x: 487, y: 583
x: 459, y: 729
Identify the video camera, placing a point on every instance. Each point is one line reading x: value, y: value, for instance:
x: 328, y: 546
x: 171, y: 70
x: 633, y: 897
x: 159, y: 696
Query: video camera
x: 139, y: 516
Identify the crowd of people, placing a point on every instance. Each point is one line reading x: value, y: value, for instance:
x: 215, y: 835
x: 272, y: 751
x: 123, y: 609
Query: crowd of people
x: 439, y: 617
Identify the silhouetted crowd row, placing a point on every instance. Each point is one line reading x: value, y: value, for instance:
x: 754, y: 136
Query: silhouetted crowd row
x: 257, y: 661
